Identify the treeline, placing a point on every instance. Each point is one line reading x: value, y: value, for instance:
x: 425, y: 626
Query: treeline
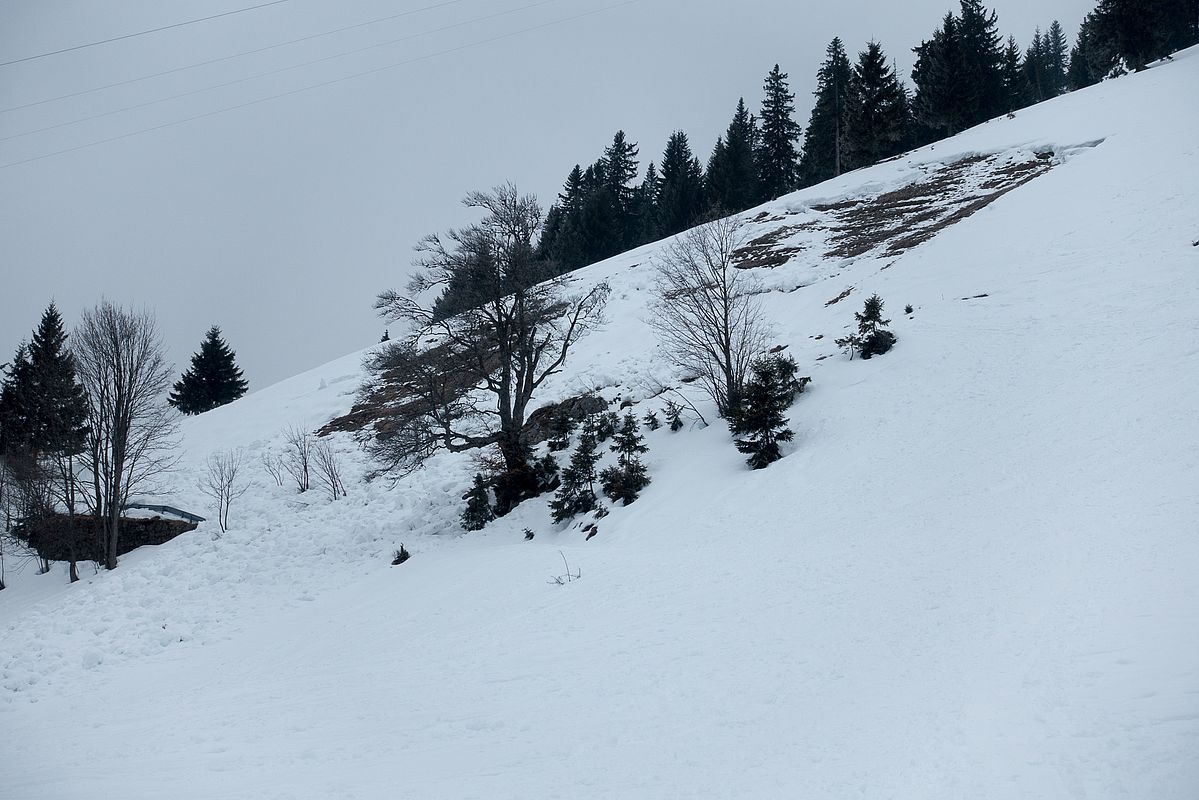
x: 965, y: 73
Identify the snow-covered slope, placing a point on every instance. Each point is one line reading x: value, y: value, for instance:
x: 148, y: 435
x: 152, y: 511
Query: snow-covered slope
x: 973, y: 575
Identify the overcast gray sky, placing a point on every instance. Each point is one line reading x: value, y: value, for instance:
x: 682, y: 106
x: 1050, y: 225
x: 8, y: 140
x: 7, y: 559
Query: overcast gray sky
x: 281, y: 220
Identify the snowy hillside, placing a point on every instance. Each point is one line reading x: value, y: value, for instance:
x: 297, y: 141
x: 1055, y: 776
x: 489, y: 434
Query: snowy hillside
x: 973, y: 574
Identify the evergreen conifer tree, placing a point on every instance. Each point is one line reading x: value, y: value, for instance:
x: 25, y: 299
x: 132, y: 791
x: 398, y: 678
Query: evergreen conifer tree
x: 601, y: 216
x: 546, y: 470
x: 938, y: 83
x: 212, y: 380
x: 959, y: 71
x: 645, y: 208
x: 1015, y: 79
x: 478, y: 510
x: 872, y: 337
x: 679, y: 196
x: 57, y: 406
x: 761, y: 422
x: 1055, y: 48
x: 777, y: 159
x: 16, y: 427
x: 1080, y: 73
x: 625, y: 481
x: 562, y: 235
x: 601, y: 426
x: 824, y: 141
x: 560, y: 427
x: 1141, y: 31
x: 877, y: 111
x: 731, y: 181
x: 982, y: 63
x: 1035, y: 65
x: 620, y: 170
x: 674, y: 416
x: 576, y: 494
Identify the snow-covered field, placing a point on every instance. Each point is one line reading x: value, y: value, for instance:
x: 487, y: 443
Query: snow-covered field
x: 975, y: 574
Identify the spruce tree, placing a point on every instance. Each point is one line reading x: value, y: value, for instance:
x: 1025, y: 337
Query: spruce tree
x: 625, y: 481
x: 576, y: 494
x: 1055, y: 47
x: 57, y: 406
x: 938, y: 82
x: 562, y: 239
x: 546, y: 471
x: 981, y: 63
x: 1035, y: 68
x: 674, y: 416
x: 212, y: 380
x: 778, y: 161
x: 872, y: 337
x: 647, y: 225
x: 679, y: 197
x: 601, y: 426
x: 761, y: 422
x: 601, y: 216
x: 478, y: 510
x: 1015, y: 79
x: 16, y: 427
x: 1081, y: 72
x: 959, y: 72
x: 731, y: 181
x: 619, y: 172
x: 1141, y: 31
x: 824, y: 141
x: 877, y: 115
x: 560, y: 427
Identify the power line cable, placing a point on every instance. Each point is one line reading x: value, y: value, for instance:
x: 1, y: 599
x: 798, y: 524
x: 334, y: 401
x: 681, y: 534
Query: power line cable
x: 302, y: 89
x: 140, y: 33
x: 211, y: 61
x: 269, y: 73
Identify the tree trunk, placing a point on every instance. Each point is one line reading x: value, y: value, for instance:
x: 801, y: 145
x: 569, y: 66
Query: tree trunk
x: 112, y: 523
x: 518, y: 482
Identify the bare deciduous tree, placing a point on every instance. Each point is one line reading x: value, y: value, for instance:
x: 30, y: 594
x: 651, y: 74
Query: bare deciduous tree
x: 512, y: 328
x: 132, y: 439
x: 297, y: 460
x: 706, y: 317
x: 273, y: 464
x: 224, y: 482
x: 328, y: 469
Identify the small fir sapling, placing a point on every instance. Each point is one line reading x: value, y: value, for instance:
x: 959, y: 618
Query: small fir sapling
x: 872, y: 337
x: 761, y: 422
x: 651, y: 420
x: 601, y: 426
x: 625, y: 481
x: 560, y: 428
x: 546, y: 471
x: 576, y: 494
x: 674, y: 416
x: 478, y: 510
x: 400, y: 556
x: 908, y: 309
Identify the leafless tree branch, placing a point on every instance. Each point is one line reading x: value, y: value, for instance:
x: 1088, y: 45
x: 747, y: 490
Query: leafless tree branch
x: 707, y: 321
x: 223, y: 482
x: 132, y: 437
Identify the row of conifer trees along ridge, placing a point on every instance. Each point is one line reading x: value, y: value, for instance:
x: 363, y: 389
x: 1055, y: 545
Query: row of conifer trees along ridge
x: 965, y: 73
